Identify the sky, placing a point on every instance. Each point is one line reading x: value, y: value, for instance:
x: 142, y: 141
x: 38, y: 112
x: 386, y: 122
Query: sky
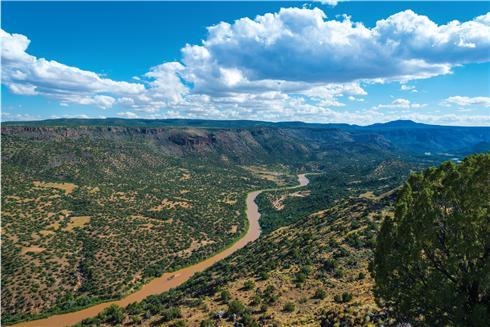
x: 329, y: 62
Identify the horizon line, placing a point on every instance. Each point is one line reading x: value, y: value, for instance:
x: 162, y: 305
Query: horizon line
x: 20, y: 122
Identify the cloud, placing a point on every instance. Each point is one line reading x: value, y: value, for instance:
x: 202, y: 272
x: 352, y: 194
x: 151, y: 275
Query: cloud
x: 300, y: 45
x: 294, y: 64
x: 353, y: 98
x: 332, y: 3
x: 127, y: 114
x: 22, y: 89
x: 327, y: 94
x: 25, y: 74
x: 464, y: 101
x: 167, y: 82
x: 400, y: 103
x: 9, y: 116
x: 405, y: 87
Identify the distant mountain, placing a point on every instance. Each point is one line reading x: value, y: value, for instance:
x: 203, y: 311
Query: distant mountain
x: 264, y: 139
x: 209, y: 123
x: 398, y: 124
x: 253, y: 144
x: 444, y: 140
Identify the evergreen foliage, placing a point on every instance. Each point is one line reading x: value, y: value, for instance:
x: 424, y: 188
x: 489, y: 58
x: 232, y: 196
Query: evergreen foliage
x: 432, y: 260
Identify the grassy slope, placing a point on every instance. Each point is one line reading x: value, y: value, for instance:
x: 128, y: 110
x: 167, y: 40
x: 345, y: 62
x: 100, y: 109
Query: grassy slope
x: 326, y: 254
x: 281, y: 208
x: 128, y: 213
x: 122, y: 174
x: 313, y: 272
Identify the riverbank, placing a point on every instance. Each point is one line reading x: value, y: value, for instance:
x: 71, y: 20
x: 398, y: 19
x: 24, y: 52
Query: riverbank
x: 168, y: 280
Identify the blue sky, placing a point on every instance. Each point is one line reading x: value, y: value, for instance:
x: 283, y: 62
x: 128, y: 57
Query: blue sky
x: 356, y: 62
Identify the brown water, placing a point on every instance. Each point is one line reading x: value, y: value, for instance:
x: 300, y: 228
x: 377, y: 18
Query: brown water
x: 167, y: 280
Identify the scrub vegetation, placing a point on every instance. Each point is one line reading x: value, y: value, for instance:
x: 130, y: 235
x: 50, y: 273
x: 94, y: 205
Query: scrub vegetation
x: 313, y: 271
x: 90, y: 220
x: 318, y: 271
x: 90, y: 212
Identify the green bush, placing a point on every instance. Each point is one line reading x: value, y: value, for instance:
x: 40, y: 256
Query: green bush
x: 236, y: 307
x: 225, y: 296
x: 300, y: 277
x: 329, y: 265
x: 263, y: 275
x: 113, y: 314
x: 207, y: 323
x: 248, y: 285
x: 320, y: 294
x: 345, y: 297
x: 178, y: 323
x: 289, y: 307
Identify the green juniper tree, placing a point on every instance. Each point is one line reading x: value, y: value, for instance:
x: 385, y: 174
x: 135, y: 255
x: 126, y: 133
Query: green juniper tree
x: 432, y: 264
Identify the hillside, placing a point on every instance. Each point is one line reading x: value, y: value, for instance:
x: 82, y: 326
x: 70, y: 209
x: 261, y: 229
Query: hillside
x: 89, y: 219
x: 317, y: 271
x: 281, y: 208
x: 312, y: 271
x: 92, y: 212
x: 405, y: 135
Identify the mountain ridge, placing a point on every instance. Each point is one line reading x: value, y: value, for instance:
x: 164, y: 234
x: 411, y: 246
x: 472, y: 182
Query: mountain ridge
x: 209, y: 123
x: 278, y: 138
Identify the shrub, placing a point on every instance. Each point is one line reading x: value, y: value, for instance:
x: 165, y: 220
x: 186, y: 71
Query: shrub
x: 248, y: 285
x: 329, y: 265
x: 225, y: 296
x: 206, y: 323
x: 263, y: 275
x: 256, y: 299
x: 300, y: 277
x: 320, y: 294
x: 306, y: 269
x: 236, y: 307
x: 248, y: 321
x: 289, y: 307
x: 113, y: 314
x: 171, y: 314
x: 338, y: 273
x: 345, y: 297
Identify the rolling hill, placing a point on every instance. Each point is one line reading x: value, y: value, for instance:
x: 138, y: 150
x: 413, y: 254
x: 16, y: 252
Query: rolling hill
x: 92, y: 209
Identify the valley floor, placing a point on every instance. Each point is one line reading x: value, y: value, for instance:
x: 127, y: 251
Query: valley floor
x: 172, y: 279
x: 311, y: 272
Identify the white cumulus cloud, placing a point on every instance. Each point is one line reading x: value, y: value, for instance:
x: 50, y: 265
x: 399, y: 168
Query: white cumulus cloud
x: 292, y: 64
x: 464, y: 101
x: 329, y: 2
x: 25, y: 74
x: 300, y: 45
x: 400, y: 103
x: 411, y: 88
